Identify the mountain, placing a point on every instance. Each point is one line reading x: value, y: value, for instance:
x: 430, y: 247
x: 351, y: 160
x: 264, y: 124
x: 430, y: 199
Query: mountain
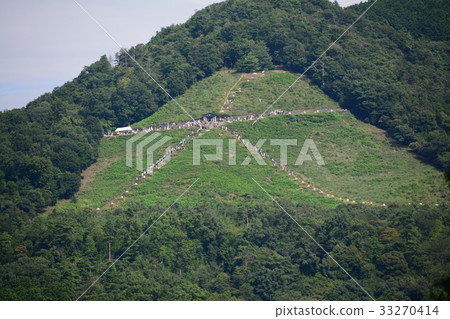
x: 228, y: 240
x: 360, y: 162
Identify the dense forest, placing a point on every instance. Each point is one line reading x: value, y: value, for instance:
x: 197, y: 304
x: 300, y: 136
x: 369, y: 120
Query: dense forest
x: 390, y: 70
x: 397, y: 253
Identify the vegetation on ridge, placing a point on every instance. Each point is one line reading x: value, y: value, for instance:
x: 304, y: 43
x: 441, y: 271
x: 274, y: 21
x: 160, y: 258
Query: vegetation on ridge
x: 226, y: 240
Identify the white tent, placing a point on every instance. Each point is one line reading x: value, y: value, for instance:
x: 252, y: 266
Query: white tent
x: 124, y: 129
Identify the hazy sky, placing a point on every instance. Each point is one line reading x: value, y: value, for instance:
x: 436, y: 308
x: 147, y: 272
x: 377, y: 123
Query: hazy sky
x: 48, y: 42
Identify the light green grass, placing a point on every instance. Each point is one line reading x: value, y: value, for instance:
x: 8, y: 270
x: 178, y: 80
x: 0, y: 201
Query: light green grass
x: 208, y: 96
x: 219, y: 181
x: 360, y: 162
x: 116, y: 177
x: 258, y: 94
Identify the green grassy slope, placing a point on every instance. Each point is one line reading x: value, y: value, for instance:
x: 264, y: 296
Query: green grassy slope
x: 256, y: 94
x: 219, y: 181
x: 360, y: 162
x: 114, y: 177
x: 203, y: 97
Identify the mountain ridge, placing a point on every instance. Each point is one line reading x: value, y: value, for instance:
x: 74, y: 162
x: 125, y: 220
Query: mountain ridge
x: 394, y: 82
x: 228, y: 240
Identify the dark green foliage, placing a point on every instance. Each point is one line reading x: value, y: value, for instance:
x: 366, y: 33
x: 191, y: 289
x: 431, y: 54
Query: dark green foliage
x: 390, y: 70
x: 248, y: 63
x: 386, y: 70
x: 209, y: 253
x: 399, y: 15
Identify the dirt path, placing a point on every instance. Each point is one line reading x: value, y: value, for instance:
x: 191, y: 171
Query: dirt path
x: 142, y: 178
x: 88, y: 175
x: 229, y: 92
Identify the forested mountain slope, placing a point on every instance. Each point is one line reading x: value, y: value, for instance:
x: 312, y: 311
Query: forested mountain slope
x: 226, y: 239
x: 390, y: 70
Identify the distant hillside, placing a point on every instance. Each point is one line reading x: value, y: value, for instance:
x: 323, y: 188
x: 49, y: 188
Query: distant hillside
x: 390, y: 69
x: 419, y: 18
x: 228, y: 93
x: 227, y: 240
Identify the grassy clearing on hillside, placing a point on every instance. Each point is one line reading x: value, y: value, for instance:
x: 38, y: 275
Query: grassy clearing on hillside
x: 255, y: 96
x: 258, y: 94
x: 203, y: 97
x: 219, y: 181
x: 115, y: 178
x: 360, y: 162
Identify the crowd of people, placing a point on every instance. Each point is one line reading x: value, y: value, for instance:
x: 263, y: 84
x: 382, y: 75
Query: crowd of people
x: 166, y: 157
x: 260, y: 152
x: 303, y: 183
x: 172, y: 126
x: 219, y: 121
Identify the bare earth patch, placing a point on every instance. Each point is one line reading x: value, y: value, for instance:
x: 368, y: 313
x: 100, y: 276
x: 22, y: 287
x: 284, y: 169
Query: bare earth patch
x: 88, y: 175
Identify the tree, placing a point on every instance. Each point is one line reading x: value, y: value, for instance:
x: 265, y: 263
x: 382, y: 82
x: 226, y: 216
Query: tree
x: 392, y: 264
x: 248, y: 63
